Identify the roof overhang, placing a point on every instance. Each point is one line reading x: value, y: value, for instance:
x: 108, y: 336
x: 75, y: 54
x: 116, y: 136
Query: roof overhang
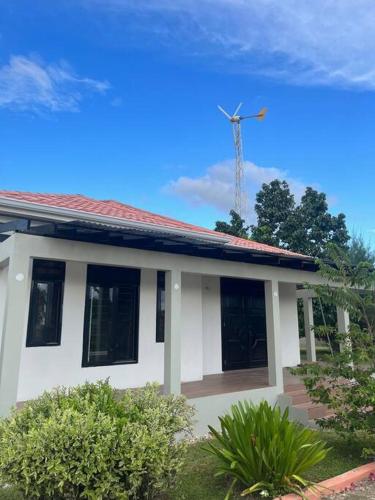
x: 146, y: 238
x: 72, y: 215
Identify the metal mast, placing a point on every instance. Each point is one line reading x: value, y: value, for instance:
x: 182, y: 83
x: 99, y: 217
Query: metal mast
x: 239, y: 191
x: 240, y: 197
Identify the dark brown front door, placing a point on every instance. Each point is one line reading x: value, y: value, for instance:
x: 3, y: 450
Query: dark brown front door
x: 243, y: 318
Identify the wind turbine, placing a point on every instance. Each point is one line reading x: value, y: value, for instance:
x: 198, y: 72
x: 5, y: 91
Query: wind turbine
x: 236, y: 119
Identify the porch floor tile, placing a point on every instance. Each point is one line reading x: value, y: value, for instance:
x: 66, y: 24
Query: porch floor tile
x: 222, y: 383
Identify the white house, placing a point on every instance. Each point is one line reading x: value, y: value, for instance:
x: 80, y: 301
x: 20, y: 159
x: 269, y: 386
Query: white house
x: 94, y: 289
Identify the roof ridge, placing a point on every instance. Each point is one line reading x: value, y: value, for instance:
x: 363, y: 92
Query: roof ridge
x: 43, y: 193
x: 148, y: 212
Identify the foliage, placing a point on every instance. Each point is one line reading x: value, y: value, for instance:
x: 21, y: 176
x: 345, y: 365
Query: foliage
x: 85, y: 443
x: 310, y: 228
x: 196, y: 479
x: 346, y: 383
x: 259, y: 447
x: 274, y: 204
x: 349, y: 287
x: 236, y: 226
x: 323, y: 314
x: 360, y: 251
x: 306, y: 228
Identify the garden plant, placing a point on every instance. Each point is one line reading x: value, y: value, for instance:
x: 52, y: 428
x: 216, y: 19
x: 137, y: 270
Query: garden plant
x: 87, y: 442
x: 261, y: 450
x: 345, y: 381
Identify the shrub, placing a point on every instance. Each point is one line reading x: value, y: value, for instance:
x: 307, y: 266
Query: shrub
x: 261, y: 449
x: 345, y: 382
x: 86, y: 443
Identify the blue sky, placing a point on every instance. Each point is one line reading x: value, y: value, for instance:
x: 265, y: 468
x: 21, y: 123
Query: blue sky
x: 118, y: 100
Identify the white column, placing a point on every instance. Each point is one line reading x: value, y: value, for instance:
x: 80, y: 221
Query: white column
x: 14, y: 326
x: 343, y: 323
x: 172, y: 342
x: 275, y: 370
x: 308, y: 316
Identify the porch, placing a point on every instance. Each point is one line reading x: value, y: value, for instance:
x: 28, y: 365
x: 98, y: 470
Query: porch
x: 190, y: 358
x: 234, y: 381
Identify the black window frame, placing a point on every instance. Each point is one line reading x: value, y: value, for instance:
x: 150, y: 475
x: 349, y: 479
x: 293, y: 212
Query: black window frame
x: 110, y: 274
x: 160, y: 313
x: 40, y: 275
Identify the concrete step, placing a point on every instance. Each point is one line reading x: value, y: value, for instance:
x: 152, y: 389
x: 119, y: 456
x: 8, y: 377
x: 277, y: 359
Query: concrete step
x: 313, y: 410
x: 299, y: 397
x: 301, y: 407
x: 293, y: 387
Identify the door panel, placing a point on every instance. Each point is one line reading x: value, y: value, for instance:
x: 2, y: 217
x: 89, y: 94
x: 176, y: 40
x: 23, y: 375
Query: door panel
x: 243, y: 314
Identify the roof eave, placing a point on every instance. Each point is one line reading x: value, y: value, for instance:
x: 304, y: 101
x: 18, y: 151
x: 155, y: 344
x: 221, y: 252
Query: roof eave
x: 281, y: 255
x: 73, y: 214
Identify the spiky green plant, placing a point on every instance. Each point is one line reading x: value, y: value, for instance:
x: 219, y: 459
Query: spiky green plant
x: 258, y: 447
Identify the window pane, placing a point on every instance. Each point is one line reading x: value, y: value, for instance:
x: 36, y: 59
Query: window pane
x: 111, y: 316
x: 160, y: 307
x: 44, y: 326
x: 124, y: 348
x: 100, y: 315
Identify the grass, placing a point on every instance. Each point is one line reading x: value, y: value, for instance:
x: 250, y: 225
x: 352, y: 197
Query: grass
x: 322, y: 350
x: 196, y: 481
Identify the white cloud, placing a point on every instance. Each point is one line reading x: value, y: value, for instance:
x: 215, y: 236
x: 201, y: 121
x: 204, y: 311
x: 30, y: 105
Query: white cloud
x: 28, y: 84
x: 329, y: 42
x: 216, y: 187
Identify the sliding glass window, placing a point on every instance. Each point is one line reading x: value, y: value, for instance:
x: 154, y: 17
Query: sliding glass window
x: 111, y: 316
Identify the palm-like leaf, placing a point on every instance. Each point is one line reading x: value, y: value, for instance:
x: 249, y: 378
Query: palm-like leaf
x: 259, y: 447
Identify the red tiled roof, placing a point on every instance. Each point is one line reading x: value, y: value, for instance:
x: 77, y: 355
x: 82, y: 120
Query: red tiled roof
x: 115, y: 209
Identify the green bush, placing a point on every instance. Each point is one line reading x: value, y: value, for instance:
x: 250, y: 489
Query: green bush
x: 261, y: 449
x: 86, y: 443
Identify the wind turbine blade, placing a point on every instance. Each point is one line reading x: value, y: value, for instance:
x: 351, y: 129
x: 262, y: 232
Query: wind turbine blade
x: 224, y: 112
x: 248, y: 116
x: 261, y: 115
x: 238, y: 108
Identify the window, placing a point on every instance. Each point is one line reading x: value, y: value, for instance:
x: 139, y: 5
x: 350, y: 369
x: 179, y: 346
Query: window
x: 160, y: 307
x: 111, y: 316
x: 46, y: 299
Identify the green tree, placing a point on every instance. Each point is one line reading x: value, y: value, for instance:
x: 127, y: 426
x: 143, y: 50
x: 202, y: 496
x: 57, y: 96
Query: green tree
x: 236, y: 226
x: 360, y: 251
x: 306, y: 228
x: 310, y: 228
x: 274, y: 205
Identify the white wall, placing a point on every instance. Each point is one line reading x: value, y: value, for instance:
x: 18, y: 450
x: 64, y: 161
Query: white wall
x: 211, y: 304
x: 290, y: 354
x: 46, y: 367
x: 191, y: 335
x: 43, y: 368
x: 208, y: 409
x: 3, y: 296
